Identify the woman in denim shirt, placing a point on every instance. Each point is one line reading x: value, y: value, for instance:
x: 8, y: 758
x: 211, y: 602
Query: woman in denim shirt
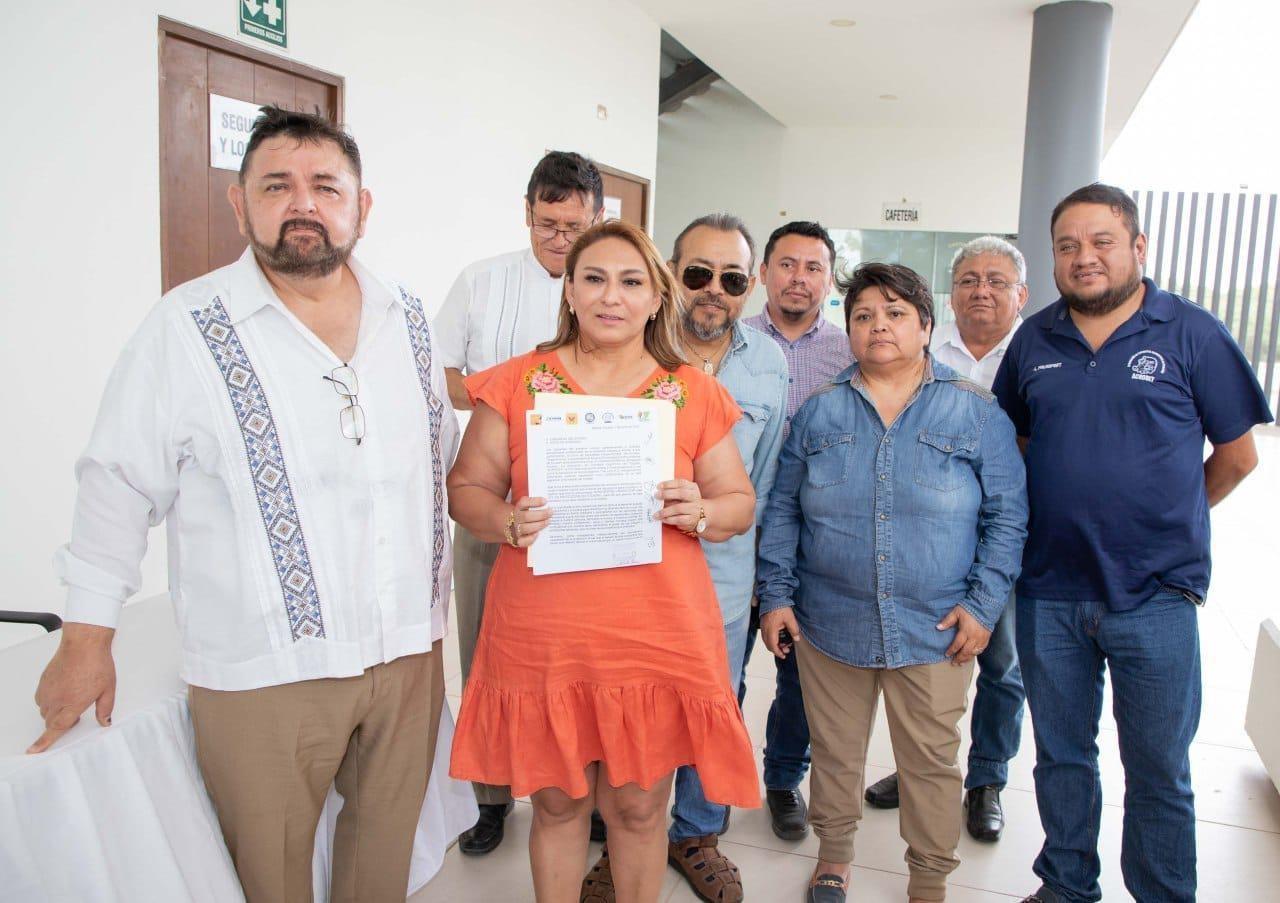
x: 891, y: 540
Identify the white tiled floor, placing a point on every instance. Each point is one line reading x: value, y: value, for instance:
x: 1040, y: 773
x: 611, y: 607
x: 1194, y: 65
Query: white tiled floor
x: 1237, y: 805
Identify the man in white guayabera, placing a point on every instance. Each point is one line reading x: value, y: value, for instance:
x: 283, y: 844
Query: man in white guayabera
x: 289, y: 418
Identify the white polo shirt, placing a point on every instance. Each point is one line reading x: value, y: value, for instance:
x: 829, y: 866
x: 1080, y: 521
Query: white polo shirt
x: 947, y: 347
x: 294, y: 553
x: 497, y: 309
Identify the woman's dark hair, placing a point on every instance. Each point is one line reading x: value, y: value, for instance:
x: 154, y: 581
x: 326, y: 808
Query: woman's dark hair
x: 1120, y: 203
x: 300, y: 127
x: 560, y: 174
x: 903, y: 281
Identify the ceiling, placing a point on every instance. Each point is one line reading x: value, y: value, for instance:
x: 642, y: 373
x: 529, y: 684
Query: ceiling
x: 949, y: 63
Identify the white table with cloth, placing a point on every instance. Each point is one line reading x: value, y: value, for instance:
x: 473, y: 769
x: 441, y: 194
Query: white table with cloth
x: 121, y: 813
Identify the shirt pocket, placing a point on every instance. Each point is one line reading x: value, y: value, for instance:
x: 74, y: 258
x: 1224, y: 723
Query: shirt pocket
x: 944, y: 462
x: 748, y: 430
x: 826, y: 458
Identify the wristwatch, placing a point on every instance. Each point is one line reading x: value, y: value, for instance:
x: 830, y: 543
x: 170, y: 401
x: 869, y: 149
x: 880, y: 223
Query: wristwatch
x: 701, y: 526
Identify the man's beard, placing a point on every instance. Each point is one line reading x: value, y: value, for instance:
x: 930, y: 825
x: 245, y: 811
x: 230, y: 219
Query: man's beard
x: 703, y: 331
x: 320, y: 258
x: 794, y: 315
x: 1106, y: 302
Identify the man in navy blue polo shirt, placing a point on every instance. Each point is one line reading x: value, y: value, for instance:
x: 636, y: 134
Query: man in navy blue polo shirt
x: 1113, y: 390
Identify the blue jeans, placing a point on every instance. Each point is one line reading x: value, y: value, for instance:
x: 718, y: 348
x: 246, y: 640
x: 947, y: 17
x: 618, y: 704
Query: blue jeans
x: 996, y: 725
x: 693, y: 815
x: 1153, y: 652
x: 786, y: 733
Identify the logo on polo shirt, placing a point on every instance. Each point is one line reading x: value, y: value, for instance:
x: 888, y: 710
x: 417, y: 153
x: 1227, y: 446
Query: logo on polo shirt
x: 1054, y: 366
x: 1145, y: 365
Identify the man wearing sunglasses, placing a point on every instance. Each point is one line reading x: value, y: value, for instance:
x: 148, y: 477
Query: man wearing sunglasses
x: 307, y: 524
x: 499, y: 308
x: 988, y: 292
x: 797, y: 271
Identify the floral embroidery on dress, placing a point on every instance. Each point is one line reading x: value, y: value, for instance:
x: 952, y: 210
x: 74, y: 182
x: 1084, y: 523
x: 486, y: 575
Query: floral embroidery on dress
x: 544, y: 378
x: 668, y: 388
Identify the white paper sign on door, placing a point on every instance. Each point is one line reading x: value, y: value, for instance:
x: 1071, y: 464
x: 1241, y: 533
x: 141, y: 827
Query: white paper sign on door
x: 230, y: 122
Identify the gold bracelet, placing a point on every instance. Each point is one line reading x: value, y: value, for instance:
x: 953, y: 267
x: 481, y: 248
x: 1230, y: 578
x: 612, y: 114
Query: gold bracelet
x: 510, y: 529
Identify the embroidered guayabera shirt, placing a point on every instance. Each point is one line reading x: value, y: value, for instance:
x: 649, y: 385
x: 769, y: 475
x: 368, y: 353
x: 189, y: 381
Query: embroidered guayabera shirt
x: 294, y: 553
x: 497, y: 309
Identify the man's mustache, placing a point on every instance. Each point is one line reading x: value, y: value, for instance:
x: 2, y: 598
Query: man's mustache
x: 308, y: 224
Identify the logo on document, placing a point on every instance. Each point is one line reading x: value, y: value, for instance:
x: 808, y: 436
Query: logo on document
x: 589, y: 417
x: 1145, y: 365
x: 535, y: 420
x: 571, y: 419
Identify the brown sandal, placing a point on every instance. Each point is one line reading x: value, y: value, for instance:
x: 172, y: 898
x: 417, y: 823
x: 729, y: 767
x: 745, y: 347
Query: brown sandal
x: 709, y: 872
x: 597, y: 887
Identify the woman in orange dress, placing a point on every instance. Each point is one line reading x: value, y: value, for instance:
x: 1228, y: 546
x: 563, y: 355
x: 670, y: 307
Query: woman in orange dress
x: 589, y: 689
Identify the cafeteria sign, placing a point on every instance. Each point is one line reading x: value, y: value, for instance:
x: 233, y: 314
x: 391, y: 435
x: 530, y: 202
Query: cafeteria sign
x: 264, y: 20
x: 903, y: 214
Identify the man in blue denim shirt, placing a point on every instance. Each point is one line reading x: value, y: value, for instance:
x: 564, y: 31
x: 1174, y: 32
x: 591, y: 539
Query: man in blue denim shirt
x: 713, y: 258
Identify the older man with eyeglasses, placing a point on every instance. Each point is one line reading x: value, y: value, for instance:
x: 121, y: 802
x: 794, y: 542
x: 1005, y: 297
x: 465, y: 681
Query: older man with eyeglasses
x: 497, y: 309
x: 308, y: 531
x: 988, y: 292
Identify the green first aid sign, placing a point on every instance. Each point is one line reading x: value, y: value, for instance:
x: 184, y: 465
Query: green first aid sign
x: 265, y: 20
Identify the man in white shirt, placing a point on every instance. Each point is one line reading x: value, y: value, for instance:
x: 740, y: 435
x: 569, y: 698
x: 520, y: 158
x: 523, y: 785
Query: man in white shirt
x: 288, y: 417
x: 988, y: 292
x: 499, y: 308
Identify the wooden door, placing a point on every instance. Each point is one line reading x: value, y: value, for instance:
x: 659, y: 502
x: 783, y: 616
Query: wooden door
x: 628, y: 192
x: 197, y: 226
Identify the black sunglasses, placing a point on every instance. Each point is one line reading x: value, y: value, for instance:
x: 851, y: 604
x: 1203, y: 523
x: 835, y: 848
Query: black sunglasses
x: 696, y: 278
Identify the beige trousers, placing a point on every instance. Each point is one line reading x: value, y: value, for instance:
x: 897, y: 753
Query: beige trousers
x: 924, y: 704
x: 472, y: 564
x: 270, y: 755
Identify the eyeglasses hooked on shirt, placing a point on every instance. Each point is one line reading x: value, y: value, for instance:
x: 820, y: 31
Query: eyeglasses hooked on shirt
x: 350, y: 418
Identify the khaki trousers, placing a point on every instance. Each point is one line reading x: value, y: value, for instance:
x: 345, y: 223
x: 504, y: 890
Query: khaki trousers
x: 924, y: 704
x: 270, y: 755
x: 472, y: 564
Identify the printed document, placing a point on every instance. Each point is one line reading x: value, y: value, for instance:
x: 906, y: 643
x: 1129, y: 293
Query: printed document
x: 597, y: 461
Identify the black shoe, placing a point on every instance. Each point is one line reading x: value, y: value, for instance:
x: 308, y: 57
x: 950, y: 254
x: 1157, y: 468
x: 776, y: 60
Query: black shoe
x: 985, y: 818
x: 827, y: 889
x: 486, y: 834
x: 789, y: 813
x: 1043, y: 895
x: 883, y: 794
x: 599, y: 833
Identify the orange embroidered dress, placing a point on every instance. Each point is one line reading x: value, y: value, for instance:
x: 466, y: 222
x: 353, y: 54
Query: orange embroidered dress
x: 625, y: 666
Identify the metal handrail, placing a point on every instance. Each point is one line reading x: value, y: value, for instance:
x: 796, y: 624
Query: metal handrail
x: 46, y: 619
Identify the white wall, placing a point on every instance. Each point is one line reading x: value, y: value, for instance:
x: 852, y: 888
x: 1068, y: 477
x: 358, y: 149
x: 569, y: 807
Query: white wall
x: 720, y: 151
x: 452, y: 104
